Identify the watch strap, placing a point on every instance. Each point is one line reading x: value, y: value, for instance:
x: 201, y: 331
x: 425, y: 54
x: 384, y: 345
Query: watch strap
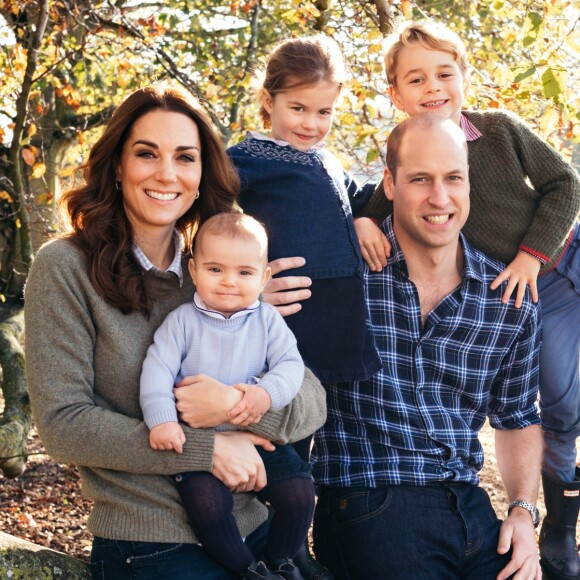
x: 527, y: 506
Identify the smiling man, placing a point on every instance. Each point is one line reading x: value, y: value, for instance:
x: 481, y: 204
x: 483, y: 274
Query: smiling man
x: 397, y: 461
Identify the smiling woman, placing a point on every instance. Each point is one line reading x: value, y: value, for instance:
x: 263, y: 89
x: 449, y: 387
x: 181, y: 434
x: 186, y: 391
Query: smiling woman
x: 94, y: 299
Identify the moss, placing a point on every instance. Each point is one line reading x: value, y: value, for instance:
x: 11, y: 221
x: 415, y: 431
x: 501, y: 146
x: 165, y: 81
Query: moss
x: 21, y: 560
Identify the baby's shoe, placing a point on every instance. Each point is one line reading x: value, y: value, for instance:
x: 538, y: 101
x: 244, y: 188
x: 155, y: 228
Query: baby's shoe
x: 259, y: 571
x: 285, y: 568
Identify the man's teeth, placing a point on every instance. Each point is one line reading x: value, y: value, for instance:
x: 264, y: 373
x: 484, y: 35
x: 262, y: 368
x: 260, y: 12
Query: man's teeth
x: 161, y: 196
x: 437, y: 219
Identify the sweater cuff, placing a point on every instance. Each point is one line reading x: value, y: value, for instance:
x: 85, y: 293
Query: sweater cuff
x: 198, y: 450
x: 540, y: 257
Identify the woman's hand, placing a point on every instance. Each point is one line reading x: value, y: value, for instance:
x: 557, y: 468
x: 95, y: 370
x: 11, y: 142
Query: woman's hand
x: 236, y: 462
x: 284, y: 293
x: 204, y: 402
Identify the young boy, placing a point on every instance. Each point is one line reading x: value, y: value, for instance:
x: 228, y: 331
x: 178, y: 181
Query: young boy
x: 533, y: 228
x: 229, y: 335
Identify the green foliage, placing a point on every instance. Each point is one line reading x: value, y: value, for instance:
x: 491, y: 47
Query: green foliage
x: 525, y: 57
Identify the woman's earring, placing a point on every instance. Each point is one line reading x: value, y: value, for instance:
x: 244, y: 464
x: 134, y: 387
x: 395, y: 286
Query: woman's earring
x: 197, y: 194
x: 118, y: 185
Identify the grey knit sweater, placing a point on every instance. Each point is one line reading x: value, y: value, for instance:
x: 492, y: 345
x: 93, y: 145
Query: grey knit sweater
x: 83, y: 360
x: 507, y: 212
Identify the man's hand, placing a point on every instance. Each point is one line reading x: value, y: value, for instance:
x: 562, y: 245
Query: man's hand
x: 522, y: 271
x: 236, y: 462
x: 517, y: 532
x: 203, y: 401
x: 374, y: 246
x: 250, y: 409
x: 284, y: 293
x: 167, y: 436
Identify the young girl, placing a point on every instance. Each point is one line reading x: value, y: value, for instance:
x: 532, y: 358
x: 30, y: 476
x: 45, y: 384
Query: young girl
x: 300, y: 191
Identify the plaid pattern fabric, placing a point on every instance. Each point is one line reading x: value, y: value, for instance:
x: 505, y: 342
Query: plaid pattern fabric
x: 416, y: 421
x: 174, y: 267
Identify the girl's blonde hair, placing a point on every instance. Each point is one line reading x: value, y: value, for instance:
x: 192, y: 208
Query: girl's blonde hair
x: 430, y: 35
x: 299, y: 62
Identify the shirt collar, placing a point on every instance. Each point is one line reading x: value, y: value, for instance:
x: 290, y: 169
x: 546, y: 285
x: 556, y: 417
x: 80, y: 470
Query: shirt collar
x: 174, y: 267
x: 471, y: 132
x: 262, y: 137
x: 472, y: 262
x: 200, y: 305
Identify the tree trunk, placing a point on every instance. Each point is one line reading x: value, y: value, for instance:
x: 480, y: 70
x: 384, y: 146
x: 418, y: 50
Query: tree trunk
x: 15, y: 423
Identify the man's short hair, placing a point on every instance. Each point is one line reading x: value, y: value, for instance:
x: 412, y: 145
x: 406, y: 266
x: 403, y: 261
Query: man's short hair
x: 423, y: 123
x: 430, y: 35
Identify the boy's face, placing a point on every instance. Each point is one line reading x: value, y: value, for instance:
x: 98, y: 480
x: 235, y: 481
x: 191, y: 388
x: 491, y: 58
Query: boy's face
x: 428, y: 81
x: 228, y: 274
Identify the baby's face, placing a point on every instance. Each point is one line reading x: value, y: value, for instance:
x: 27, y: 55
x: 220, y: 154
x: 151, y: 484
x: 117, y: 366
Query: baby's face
x: 229, y: 274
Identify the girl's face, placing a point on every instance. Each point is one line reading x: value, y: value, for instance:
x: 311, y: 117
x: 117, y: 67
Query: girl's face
x: 160, y: 170
x: 302, y: 116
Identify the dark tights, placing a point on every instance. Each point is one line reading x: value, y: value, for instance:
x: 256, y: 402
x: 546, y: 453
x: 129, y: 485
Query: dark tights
x: 209, y: 505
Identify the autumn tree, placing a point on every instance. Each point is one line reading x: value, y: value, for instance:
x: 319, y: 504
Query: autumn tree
x: 66, y: 64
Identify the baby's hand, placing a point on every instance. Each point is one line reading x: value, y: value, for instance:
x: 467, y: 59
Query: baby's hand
x: 250, y: 409
x: 167, y: 436
x: 523, y: 270
x: 374, y: 246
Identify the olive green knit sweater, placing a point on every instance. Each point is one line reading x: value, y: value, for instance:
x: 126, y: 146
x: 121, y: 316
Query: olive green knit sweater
x: 83, y: 360
x: 523, y: 194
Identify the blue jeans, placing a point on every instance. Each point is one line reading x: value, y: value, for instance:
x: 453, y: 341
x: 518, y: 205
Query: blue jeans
x: 121, y: 560
x: 402, y: 532
x: 559, y: 292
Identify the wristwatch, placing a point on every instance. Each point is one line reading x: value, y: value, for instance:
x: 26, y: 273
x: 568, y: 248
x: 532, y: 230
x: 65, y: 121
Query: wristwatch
x: 527, y: 506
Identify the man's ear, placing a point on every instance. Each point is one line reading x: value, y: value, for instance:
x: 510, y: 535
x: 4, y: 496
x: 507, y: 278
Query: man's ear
x: 396, y: 98
x: 191, y: 268
x: 266, y: 277
x: 388, y: 184
x: 267, y: 101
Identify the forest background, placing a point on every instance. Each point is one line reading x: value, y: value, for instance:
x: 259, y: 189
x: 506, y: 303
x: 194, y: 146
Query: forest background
x: 64, y: 65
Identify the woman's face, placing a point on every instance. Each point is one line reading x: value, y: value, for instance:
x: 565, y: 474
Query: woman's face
x: 160, y: 170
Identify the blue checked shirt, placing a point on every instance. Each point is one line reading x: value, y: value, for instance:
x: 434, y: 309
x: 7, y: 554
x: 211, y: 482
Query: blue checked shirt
x: 417, y: 420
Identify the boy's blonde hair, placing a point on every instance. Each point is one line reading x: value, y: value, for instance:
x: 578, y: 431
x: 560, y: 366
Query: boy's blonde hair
x: 234, y: 226
x: 300, y: 62
x: 430, y: 35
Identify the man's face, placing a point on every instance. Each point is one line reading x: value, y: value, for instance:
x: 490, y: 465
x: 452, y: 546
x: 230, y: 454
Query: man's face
x: 430, y: 192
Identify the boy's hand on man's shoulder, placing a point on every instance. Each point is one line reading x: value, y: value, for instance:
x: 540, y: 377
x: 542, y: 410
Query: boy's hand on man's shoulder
x: 522, y: 271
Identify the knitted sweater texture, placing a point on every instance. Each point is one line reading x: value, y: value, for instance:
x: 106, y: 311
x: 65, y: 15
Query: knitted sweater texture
x: 83, y: 362
x: 230, y: 350
x: 306, y: 200
x: 508, y: 212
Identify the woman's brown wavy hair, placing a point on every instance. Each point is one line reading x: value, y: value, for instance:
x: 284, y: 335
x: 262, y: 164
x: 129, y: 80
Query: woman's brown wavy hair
x: 95, y: 210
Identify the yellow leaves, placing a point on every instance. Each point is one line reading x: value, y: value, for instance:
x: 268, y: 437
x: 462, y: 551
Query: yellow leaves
x: 374, y: 34
x: 32, y: 129
x: 4, y: 195
x: 553, y: 80
x: 70, y: 95
x: 38, y: 170
x: 406, y: 8
x: 45, y: 198
x: 549, y: 120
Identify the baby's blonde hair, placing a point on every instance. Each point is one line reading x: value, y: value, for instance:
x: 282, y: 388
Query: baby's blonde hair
x: 234, y: 226
x: 430, y: 35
